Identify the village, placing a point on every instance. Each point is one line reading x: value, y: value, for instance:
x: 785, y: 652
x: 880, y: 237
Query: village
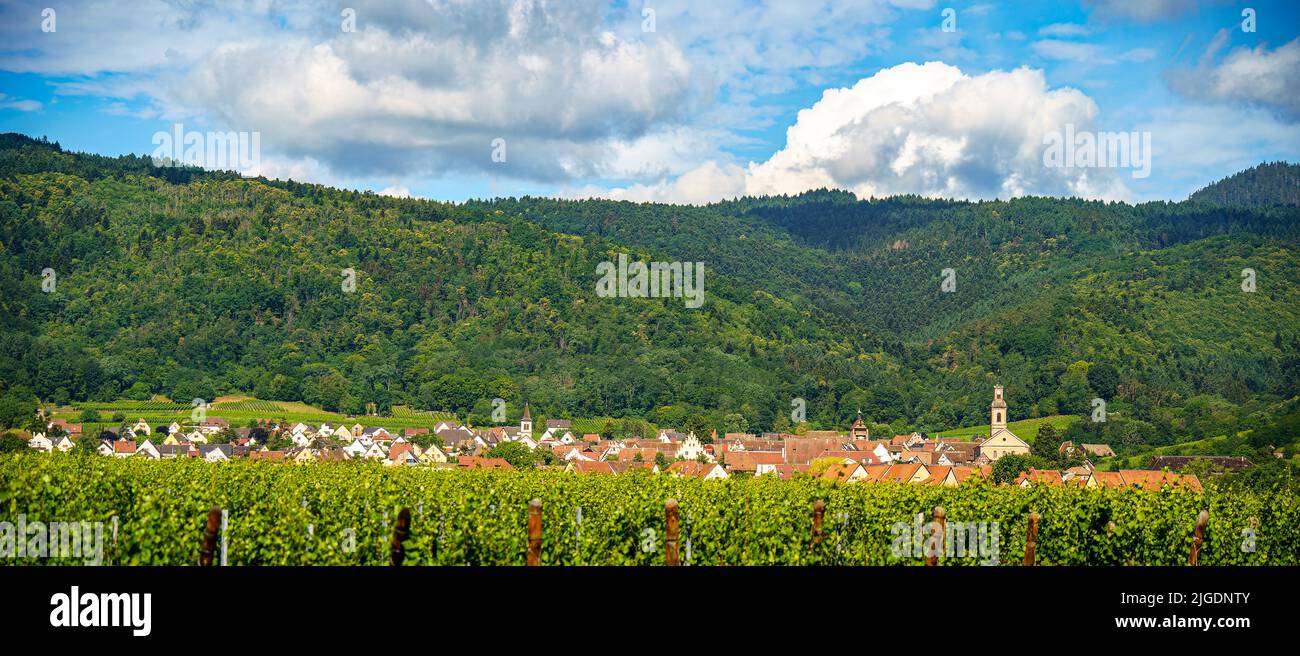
x: 850, y: 457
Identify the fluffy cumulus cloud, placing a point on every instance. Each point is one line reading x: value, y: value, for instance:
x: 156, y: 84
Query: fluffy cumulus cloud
x: 922, y: 129
x: 415, y: 89
x: 552, y: 87
x: 1256, y: 76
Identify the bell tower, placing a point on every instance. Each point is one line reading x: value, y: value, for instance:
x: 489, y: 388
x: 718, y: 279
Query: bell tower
x: 998, y: 415
x: 526, y: 424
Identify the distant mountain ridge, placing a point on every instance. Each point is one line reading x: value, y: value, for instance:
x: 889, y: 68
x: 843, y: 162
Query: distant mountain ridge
x: 1273, y: 183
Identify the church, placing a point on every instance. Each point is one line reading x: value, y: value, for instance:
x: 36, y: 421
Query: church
x: 1001, y: 440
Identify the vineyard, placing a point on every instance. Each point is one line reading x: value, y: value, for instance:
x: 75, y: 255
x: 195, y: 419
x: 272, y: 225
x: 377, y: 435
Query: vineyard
x: 346, y: 513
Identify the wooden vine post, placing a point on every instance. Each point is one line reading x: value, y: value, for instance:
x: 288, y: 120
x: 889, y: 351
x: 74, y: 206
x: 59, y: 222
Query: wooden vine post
x: 400, y: 533
x: 940, y: 516
x: 670, y: 541
x: 1031, y: 539
x: 209, y: 547
x: 819, y: 509
x: 535, y: 533
x: 1198, y: 537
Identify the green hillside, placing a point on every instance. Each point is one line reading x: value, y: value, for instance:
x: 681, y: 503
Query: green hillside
x: 1275, y: 183
x: 195, y: 284
x: 1026, y: 429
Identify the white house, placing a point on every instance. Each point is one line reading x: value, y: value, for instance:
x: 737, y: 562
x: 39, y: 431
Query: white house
x: 65, y: 443
x: 146, y: 449
x: 215, y: 452
x: 375, y: 451
x: 41, y: 443
x: 358, y: 447
x: 691, y: 448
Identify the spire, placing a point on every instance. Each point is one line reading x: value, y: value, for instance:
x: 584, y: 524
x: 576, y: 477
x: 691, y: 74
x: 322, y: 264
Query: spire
x: 527, y: 417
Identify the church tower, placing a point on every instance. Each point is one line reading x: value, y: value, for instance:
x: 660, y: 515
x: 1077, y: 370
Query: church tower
x: 858, y: 430
x: 998, y: 418
x: 526, y: 424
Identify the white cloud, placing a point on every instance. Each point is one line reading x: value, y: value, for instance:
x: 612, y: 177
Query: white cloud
x: 396, y: 191
x: 18, y: 104
x: 1248, y: 76
x: 417, y: 89
x: 922, y: 129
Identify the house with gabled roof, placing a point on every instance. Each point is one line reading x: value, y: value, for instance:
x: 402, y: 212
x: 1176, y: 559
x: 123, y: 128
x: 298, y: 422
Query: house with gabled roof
x: 64, y: 444
x: 266, y: 454
x: 146, y: 449
x: 40, y: 442
x: 1049, y: 477
x: 123, y: 448
x: 106, y: 448
x: 752, y: 462
x: 432, y: 455
x: 173, y: 451
x: 906, y: 473
x: 845, y: 473
x: 401, y: 454
x: 691, y: 448
x: 692, y: 469
x: 67, y: 426
x: 375, y: 451
x: 215, y: 452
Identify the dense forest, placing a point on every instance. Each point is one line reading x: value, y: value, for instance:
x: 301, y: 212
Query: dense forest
x: 120, y: 279
x: 1275, y: 183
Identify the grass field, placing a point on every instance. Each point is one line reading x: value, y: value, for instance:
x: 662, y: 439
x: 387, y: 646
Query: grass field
x: 239, y: 411
x: 1026, y: 429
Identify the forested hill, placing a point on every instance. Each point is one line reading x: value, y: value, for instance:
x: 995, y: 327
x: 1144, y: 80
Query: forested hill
x: 193, y: 284
x: 1275, y: 183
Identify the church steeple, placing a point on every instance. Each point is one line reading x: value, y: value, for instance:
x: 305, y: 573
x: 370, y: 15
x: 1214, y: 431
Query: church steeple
x: 526, y: 424
x: 859, y: 430
x: 998, y: 411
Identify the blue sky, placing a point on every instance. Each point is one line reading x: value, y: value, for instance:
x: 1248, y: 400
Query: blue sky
x: 719, y: 99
